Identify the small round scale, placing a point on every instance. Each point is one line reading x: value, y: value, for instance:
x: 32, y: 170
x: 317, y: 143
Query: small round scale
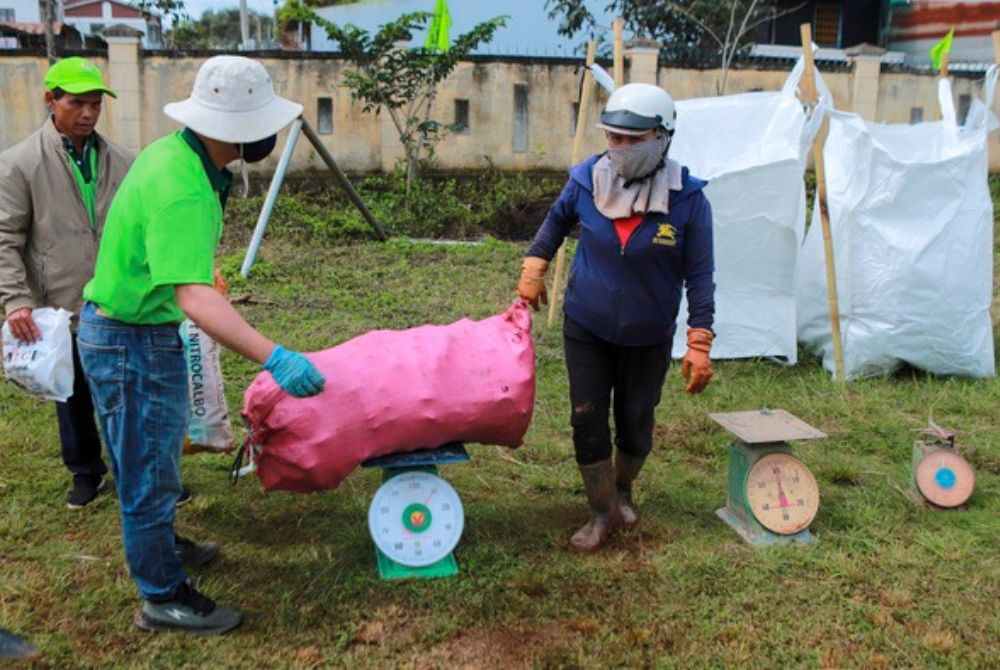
x: 941, y: 478
x: 416, y: 517
x: 772, y: 497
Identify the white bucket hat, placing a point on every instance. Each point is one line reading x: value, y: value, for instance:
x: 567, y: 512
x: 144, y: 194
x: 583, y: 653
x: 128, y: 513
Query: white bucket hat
x: 233, y: 101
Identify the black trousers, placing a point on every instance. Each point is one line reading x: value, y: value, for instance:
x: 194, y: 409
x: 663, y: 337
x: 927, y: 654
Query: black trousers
x: 602, y: 373
x: 81, y: 442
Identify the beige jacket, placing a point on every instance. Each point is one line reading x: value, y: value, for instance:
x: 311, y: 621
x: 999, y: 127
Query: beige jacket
x: 47, y: 246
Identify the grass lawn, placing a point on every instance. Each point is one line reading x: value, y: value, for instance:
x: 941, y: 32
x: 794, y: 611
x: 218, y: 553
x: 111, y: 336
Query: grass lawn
x: 888, y: 584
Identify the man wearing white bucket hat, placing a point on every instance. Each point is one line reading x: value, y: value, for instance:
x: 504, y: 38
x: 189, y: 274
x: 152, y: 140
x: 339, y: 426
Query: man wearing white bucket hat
x: 154, y: 269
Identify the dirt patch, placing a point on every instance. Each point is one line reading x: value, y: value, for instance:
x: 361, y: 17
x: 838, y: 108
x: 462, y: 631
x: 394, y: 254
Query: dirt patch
x: 507, y: 647
x: 520, y: 220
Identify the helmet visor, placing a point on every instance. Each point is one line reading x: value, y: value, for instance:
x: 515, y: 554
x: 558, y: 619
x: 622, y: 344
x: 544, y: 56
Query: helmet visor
x: 625, y: 122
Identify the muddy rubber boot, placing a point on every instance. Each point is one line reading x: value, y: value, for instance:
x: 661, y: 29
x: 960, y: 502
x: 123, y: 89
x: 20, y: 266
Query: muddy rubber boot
x: 627, y: 468
x: 605, y: 517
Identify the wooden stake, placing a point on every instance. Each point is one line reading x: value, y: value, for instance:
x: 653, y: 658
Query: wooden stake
x: 996, y: 45
x: 944, y: 66
x: 809, y: 91
x: 581, y: 120
x: 619, y: 62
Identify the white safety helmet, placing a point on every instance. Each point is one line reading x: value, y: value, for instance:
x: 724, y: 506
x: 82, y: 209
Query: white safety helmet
x: 635, y: 109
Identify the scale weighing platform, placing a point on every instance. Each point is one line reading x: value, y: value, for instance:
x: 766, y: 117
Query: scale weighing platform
x: 772, y: 497
x: 416, y: 517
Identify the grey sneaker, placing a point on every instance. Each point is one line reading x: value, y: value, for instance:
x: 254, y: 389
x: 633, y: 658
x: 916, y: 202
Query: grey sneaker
x: 185, y: 496
x: 187, y: 611
x: 193, y: 553
x: 85, y: 489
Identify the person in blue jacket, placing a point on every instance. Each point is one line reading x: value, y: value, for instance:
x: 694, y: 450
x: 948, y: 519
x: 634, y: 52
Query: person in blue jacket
x: 645, y: 234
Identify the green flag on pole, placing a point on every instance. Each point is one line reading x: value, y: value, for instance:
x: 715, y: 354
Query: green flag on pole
x: 437, y: 34
x: 940, y: 49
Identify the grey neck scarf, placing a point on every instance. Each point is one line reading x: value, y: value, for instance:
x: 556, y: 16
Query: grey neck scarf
x: 615, y: 200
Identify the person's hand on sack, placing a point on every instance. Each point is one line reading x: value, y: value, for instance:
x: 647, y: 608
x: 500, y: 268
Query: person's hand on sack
x: 696, y: 366
x: 294, y: 373
x: 532, y: 284
x: 23, y: 327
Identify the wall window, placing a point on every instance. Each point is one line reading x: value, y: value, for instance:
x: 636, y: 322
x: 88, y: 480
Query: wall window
x: 964, y: 105
x: 324, y: 116
x: 826, y: 25
x: 520, y: 118
x: 916, y: 115
x: 461, y: 124
x: 6, y: 15
x: 574, y: 114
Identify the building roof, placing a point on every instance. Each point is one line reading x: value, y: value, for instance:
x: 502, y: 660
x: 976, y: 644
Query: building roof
x: 31, y: 28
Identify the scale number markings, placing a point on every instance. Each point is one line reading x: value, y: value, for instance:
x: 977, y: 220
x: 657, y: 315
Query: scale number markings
x: 782, y: 493
x: 416, y: 518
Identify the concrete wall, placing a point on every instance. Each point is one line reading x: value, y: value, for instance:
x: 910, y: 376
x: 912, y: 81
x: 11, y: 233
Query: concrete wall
x: 364, y: 142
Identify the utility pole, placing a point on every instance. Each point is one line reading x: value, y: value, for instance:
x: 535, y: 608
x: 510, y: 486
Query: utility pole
x: 244, y: 26
x: 50, y: 38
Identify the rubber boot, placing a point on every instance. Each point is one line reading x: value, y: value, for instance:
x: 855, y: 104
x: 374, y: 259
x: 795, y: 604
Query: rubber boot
x: 605, y: 517
x: 627, y: 468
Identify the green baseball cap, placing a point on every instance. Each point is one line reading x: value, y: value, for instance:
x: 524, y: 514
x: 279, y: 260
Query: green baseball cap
x: 76, y: 75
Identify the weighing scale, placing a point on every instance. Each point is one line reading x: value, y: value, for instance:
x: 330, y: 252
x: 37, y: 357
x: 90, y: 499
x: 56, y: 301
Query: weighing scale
x: 772, y: 497
x: 941, y: 478
x: 416, y: 517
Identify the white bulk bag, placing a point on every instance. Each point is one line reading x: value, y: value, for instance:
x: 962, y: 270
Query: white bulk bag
x: 912, y: 229
x: 44, y: 367
x: 752, y: 149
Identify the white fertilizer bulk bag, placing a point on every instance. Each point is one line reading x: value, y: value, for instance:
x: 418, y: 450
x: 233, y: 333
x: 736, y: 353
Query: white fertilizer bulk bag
x: 752, y: 149
x: 44, y: 367
x: 912, y: 230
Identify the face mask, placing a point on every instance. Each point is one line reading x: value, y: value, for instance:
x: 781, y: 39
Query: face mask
x: 254, y: 152
x: 637, y: 161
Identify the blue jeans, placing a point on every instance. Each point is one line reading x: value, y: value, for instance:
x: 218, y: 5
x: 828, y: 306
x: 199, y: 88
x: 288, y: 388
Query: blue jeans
x: 138, y: 379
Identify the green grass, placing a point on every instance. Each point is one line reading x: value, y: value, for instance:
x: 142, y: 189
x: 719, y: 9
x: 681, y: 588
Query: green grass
x: 887, y: 585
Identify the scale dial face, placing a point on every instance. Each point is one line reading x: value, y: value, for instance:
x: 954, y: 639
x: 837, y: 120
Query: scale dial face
x: 945, y: 478
x: 416, y: 518
x: 782, y: 493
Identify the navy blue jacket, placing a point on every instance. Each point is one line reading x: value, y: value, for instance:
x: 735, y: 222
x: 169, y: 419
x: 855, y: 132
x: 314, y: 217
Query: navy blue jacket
x: 630, y: 295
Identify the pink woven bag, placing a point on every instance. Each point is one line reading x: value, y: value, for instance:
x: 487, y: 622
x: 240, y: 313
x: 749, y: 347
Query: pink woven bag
x: 391, y: 391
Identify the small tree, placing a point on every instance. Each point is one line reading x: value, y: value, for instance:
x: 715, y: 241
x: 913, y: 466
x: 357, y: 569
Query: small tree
x: 399, y: 80
x: 687, y: 28
x: 173, y: 10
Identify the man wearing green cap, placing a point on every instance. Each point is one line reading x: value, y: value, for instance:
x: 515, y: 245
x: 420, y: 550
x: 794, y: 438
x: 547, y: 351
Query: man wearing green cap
x: 55, y: 189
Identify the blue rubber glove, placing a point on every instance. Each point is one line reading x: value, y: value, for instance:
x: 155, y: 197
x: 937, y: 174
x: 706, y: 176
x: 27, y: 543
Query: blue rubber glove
x: 294, y: 372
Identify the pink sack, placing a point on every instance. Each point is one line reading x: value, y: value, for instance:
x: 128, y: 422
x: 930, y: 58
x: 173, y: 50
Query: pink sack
x: 390, y: 391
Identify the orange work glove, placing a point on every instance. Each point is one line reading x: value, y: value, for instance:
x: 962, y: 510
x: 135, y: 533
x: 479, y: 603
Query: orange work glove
x: 696, y: 366
x: 532, y: 284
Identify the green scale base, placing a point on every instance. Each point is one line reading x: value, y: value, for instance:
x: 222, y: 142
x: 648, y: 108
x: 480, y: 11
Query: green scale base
x: 737, y: 513
x: 425, y: 461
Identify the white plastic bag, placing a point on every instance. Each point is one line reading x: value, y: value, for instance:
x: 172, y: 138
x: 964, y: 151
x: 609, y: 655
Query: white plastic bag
x: 209, y: 429
x: 45, y: 367
x: 752, y: 148
x: 912, y: 226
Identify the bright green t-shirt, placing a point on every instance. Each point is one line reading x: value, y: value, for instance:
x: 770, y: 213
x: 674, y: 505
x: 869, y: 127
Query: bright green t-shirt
x: 161, y: 230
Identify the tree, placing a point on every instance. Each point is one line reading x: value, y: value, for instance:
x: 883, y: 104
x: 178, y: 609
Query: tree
x: 217, y: 29
x: 399, y: 80
x: 173, y: 10
x: 687, y: 28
